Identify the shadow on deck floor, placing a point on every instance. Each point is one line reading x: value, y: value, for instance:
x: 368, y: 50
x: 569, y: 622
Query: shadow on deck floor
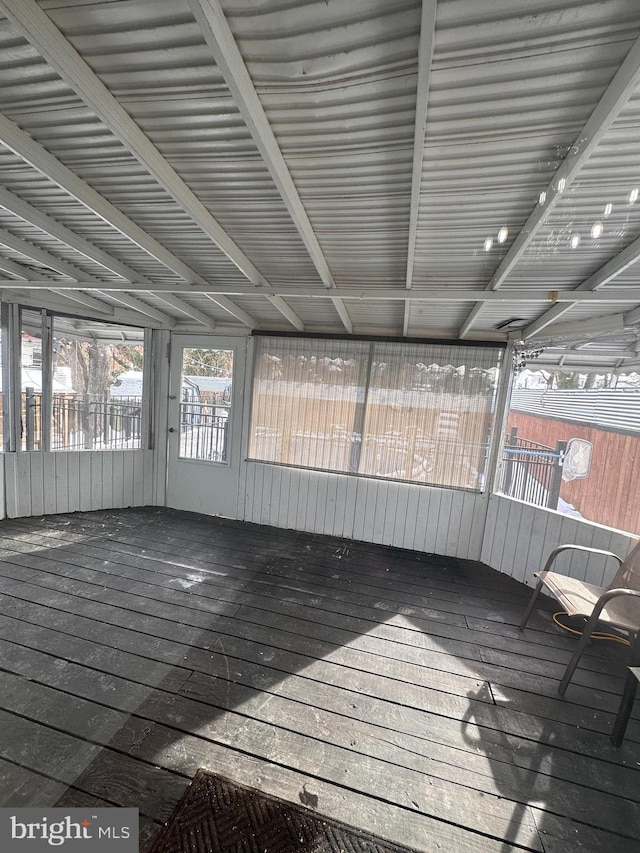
x: 389, y: 689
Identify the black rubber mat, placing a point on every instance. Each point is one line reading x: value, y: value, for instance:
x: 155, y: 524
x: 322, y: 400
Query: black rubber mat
x: 218, y: 815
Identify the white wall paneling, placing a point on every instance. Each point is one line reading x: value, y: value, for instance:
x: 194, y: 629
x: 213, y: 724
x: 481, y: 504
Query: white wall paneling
x: 37, y: 483
x: 3, y: 508
x: 444, y: 521
x: 518, y: 538
x: 507, y: 534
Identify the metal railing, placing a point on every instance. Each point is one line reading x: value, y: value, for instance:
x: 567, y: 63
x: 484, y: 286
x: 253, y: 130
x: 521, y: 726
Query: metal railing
x: 203, y: 431
x: 530, y: 471
x: 83, y: 422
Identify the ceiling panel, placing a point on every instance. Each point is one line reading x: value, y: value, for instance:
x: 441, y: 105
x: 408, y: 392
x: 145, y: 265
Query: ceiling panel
x: 329, y: 190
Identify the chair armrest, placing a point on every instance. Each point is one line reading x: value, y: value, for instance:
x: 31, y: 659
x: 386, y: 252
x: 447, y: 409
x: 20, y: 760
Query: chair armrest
x: 586, y: 549
x: 602, y: 602
x: 615, y: 593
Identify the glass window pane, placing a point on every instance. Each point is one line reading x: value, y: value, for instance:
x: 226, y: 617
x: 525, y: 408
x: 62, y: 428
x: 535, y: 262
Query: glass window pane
x: 206, y: 403
x: 430, y: 413
x: 97, y: 386
x: 308, y: 402
x: 422, y: 413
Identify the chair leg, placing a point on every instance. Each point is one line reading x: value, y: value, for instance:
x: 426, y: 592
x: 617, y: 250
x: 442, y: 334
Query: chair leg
x: 628, y: 695
x: 582, y: 643
x: 531, y: 605
x: 624, y: 711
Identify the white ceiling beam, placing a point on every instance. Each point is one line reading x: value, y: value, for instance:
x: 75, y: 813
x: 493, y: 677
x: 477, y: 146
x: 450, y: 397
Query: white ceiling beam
x: 472, y: 316
x: 286, y: 311
x: 546, y: 319
x: 27, y: 212
x: 617, y: 265
x: 142, y: 308
x: 220, y: 40
x: 341, y: 309
x: 591, y: 351
x: 52, y: 45
x: 239, y: 313
x: 84, y: 299
x: 632, y: 317
x: 610, y: 296
x: 15, y: 269
x: 594, y: 326
x: 37, y: 156
x: 41, y: 256
x: 44, y: 257
x: 623, y: 85
x: 613, y: 268
x: 620, y: 89
x: 41, y: 160
x: 425, y: 54
x: 628, y: 367
x: 50, y: 302
x: 405, y: 318
x: 184, y: 308
x: 50, y: 226
x: 107, y: 310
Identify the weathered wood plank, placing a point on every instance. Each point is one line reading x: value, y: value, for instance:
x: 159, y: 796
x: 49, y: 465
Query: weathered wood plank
x: 316, y: 658
x: 73, y: 798
x: 433, y: 700
x: 405, y: 825
x: 21, y: 788
x: 435, y: 671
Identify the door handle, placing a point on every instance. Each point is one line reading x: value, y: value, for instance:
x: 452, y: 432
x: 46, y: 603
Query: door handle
x: 171, y: 429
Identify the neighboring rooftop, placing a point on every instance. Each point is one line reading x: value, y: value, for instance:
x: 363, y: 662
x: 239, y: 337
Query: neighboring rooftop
x: 609, y: 408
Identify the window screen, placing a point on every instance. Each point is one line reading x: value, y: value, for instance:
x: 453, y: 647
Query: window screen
x: 414, y: 412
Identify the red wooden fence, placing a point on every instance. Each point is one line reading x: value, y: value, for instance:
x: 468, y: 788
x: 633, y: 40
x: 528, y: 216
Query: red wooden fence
x: 611, y: 493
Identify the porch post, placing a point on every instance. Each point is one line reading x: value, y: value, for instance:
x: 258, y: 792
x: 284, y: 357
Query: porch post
x: 503, y: 401
x: 12, y: 376
x: 556, y: 476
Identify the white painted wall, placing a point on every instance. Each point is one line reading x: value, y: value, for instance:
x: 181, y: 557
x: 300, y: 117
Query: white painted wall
x: 3, y: 510
x: 518, y: 538
x: 507, y: 534
x: 441, y: 521
x: 37, y: 483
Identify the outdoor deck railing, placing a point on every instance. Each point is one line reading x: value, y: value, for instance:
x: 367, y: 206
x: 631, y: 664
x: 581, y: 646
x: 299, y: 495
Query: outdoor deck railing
x: 203, y: 431
x: 530, y: 471
x: 83, y: 422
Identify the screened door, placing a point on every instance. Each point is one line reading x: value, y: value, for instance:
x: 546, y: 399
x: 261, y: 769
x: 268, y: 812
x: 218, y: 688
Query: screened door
x: 205, y: 424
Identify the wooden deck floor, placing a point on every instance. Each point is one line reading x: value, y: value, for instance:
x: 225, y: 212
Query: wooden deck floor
x: 388, y: 689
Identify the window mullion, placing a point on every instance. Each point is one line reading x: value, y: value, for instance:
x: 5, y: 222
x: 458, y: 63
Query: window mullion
x: 359, y: 418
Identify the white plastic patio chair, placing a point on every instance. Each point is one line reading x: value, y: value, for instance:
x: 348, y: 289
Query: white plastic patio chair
x: 617, y: 604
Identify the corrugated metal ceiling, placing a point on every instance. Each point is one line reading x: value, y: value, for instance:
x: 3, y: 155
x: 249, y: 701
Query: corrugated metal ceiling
x: 277, y: 158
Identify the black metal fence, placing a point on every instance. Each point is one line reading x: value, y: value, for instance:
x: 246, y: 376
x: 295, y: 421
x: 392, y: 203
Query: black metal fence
x: 530, y: 471
x: 83, y: 422
x: 203, y: 431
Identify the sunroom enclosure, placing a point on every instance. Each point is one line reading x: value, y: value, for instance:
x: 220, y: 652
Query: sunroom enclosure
x: 465, y: 518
